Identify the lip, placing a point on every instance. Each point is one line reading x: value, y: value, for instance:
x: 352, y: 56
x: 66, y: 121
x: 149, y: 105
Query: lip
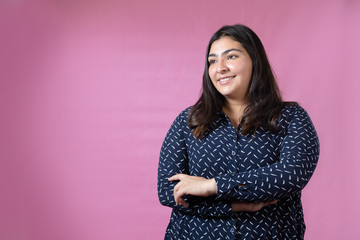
x: 225, y: 80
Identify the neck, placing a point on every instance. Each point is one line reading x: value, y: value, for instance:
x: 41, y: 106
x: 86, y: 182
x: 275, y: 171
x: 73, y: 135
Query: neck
x: 235, y: 106
x: 234, y: 110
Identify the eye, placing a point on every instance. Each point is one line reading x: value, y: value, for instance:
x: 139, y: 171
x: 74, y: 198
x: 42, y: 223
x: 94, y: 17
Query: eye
x: 232, y: 56
x: 212, y: 61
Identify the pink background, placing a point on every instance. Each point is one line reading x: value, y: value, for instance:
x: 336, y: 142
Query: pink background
x: 88, y: 90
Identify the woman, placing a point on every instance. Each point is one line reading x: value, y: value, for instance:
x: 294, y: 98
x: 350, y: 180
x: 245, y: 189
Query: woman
x: 233, y: 165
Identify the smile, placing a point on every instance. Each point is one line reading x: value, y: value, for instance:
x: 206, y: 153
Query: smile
x: 225, y: 80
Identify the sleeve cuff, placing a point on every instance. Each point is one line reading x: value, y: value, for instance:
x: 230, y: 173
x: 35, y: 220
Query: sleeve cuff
x: 227, y: 182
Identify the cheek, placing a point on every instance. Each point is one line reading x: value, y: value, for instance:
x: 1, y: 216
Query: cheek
x: 211, y: 72
x: 243, y: 68
x: 237, y: 67
x: 249, y: 70
x: 248, y: 67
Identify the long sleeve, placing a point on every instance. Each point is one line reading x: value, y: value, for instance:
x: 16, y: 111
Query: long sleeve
x: 299, y: 153
x: 174, y: 160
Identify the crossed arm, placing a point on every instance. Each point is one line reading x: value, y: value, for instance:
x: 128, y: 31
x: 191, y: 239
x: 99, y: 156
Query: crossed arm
x: 244, y: 191
x: 202, y: 187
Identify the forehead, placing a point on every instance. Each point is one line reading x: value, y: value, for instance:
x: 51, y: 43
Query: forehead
x: 223, y: 44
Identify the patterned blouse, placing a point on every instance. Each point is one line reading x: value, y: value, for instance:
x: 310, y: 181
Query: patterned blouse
x: 255, y: 167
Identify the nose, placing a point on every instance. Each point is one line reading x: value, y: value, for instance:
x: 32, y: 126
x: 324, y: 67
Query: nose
x: 221, y: 67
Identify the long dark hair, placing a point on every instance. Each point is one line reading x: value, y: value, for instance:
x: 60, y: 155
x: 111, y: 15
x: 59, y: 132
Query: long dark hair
x: 262, y: 96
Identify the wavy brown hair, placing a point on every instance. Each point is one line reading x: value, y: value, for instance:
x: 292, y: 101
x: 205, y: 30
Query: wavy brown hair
x: 263, y: 95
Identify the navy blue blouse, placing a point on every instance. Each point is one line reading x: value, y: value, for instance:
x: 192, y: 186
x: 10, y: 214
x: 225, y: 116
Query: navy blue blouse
x: 256, y: 167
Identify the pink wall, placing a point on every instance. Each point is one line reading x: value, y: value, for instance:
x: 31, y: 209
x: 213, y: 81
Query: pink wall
x: 88, y: 90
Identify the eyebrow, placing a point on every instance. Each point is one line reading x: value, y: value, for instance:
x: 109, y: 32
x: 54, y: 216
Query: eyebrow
x: 225, y: 52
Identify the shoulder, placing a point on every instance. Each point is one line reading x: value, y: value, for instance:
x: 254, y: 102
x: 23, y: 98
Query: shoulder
x: 181, y: 121
x: 292, y: 111
x: 299, y: 130
x: 296, y: 118
x: 183, y: 115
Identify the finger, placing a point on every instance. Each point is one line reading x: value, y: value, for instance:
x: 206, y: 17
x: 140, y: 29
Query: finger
x: 270, y: 203
x: 183, y: 203
x: 178, y: 196
x: 177, y: 202
x: 176, y: 177
x: 177, y: 187
x: 257, y: 206
x: 177, y: 193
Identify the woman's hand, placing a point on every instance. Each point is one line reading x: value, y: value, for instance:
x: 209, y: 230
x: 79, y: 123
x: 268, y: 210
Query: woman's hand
x: 192, y: 185
x: 250, y: 207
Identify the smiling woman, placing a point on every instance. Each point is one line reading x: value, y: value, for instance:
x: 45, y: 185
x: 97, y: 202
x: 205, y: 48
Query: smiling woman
x: 233, y: 165
x: 230, y: 69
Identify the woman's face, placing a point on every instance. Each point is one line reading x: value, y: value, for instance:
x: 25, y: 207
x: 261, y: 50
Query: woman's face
x: 230, y: 68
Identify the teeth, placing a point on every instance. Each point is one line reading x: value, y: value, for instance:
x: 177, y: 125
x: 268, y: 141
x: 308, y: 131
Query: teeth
x: 225, y: 79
